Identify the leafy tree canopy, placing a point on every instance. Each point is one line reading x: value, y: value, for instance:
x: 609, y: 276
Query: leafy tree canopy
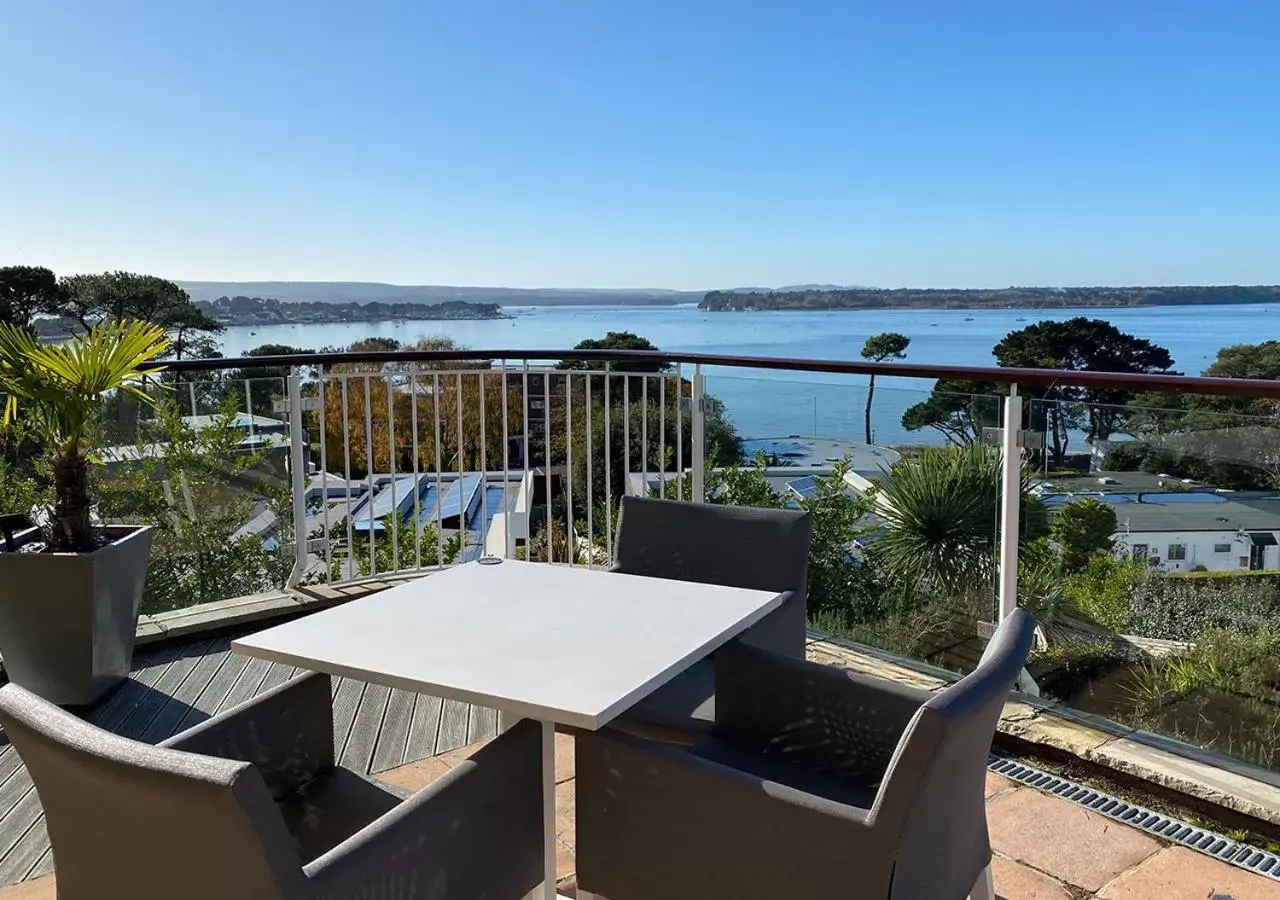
x: 27, y: 290
x: 1079, y: 345
x: 1083, y: 528
x: 1260, y: 361
x: 277, y: 350
x: 958, y: 410
x: 120, y: 296
x: 886, y: 345
x: 374, y: 345
x: 615, y: 340
x: 878, y: 348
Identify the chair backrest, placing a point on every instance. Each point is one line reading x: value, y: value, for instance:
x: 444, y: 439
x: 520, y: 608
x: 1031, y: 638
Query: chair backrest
x: 734, y: 546
x: 127, y: 819
x: 933, y: 794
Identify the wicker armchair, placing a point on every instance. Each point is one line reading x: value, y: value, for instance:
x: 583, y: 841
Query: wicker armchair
x: 817, y: 782
x: 735, y: 546
x: 249, y: 804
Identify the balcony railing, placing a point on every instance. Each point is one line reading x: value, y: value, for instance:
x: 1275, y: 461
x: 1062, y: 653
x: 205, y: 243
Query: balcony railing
x: 327, y: 468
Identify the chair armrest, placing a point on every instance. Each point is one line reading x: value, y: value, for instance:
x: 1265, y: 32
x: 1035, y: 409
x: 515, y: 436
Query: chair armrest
x: 474, y: 832
x: 650, y: 816
x: 287, y: 733
x: 825, y: 719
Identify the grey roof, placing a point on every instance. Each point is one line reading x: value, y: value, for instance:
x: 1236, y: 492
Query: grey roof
x: 1115, y: 483
x: 811, y: 452
x: 1229, y: 515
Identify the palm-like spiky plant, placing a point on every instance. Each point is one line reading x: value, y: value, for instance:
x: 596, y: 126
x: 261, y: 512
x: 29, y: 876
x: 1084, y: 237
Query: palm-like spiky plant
x: 942, y: 515
x: 56, y: 391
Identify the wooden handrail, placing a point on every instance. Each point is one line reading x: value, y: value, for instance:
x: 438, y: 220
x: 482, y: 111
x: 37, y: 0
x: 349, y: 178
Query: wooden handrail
x: 1189, y: 384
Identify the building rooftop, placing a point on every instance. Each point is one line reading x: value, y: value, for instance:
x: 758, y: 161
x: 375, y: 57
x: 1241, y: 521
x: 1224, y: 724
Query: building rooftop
x: 1166, y: 514
x: 812, y: 452
x: 1116, y: 483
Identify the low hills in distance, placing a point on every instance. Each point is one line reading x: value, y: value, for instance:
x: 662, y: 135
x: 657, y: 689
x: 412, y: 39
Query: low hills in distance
x: 372, y: 292
x: 793, y: 297
x: 1004, y: 298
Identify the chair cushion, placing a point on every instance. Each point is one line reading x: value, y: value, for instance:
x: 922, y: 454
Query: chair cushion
x: 330, y: 808
x: 681, y: 711
x: 849, y: 791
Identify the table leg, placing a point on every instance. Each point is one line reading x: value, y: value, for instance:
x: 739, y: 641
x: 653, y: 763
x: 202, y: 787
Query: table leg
x: 549, y: 810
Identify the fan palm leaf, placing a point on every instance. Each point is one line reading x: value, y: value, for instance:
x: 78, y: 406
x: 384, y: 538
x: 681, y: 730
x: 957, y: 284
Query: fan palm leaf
x: 56, y: 390
x: 941, y: 514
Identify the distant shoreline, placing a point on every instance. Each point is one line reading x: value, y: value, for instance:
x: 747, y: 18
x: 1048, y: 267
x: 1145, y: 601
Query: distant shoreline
x: 1031, y: 309
x: 1036, y: 299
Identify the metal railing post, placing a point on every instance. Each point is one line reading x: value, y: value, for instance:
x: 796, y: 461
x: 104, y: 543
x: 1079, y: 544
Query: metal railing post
x: 298, y: 478
x: 1010, y: 501
x: 698, y: 435
x: 1010, y: 518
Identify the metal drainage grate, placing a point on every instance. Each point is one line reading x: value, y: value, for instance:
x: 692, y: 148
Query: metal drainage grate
x: 1246, y: 856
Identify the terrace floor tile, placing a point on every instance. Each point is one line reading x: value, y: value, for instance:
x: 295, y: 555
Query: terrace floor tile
x: 1178, y: 872
x: 1064, y: 840
x: 1014, y: 881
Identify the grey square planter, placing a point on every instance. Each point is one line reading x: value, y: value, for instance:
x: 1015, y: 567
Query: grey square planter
x: 68, y: 620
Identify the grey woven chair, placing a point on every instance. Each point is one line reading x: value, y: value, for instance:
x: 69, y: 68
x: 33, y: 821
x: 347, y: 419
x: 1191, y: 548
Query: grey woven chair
x: 734, y: 546
x: 250, y: 805
x: 818, y: 783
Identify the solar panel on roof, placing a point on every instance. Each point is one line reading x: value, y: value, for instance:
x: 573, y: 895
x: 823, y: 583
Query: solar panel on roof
x: 806, y: 487
x: 394, y: 496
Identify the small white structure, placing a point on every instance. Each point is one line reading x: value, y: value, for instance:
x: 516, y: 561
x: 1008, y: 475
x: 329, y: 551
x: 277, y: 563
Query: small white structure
x: 1219, y: 536
x: 1177, y: 525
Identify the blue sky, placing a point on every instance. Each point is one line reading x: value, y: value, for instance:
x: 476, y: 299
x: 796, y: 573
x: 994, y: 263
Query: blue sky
x: 669, y: 143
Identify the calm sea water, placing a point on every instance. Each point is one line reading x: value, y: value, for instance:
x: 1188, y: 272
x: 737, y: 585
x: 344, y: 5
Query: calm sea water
x: 769, y: 404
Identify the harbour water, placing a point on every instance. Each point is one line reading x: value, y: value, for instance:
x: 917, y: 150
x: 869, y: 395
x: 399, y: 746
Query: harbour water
x: 766, y: 404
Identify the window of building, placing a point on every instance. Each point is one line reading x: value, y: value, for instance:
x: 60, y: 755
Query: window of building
x: 1177, y: 551
x: 1221, y: 548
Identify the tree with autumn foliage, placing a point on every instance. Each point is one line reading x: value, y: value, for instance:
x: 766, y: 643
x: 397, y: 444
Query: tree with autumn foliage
x: 376, y: 406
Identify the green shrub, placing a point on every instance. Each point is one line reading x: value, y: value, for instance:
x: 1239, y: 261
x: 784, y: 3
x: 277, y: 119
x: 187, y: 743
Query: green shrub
x: 1220, y: 694
x: 1083, y: 529
x: 1103, y: 591
x: 1125, y: 457
x: 1040, y: 582
x: 1182, y: 608
x: 1202, y: 574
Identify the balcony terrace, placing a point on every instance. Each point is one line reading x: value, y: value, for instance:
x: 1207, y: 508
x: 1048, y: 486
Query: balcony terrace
x: 1085, y: 797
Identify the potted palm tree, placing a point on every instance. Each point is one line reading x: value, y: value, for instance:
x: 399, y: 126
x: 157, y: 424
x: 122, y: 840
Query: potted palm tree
x: 69, y: 598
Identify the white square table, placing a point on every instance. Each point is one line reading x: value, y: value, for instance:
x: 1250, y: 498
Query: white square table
x: 564, y: 645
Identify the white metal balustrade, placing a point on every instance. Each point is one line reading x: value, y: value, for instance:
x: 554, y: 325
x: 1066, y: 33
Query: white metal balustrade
x: 489, y: 459
x: 543, y: 460
x: 543, y: 465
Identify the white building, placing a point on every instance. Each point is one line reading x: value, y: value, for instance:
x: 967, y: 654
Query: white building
x: 1220, y: 535
x: 1177, y: 525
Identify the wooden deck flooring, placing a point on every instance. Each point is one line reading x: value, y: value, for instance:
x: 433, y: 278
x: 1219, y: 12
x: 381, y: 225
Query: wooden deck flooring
x: 174, y: 687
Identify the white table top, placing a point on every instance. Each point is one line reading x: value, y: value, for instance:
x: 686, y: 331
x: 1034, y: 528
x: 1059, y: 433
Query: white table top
x: 567, y: 645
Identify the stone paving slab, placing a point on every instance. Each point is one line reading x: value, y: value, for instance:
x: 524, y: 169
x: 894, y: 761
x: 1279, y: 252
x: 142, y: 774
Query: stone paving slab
x: 1177, y: 872
x: 1014, y: 881
x: 1080, y: 847
x: 40, y: 889
x: 998, y: 784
